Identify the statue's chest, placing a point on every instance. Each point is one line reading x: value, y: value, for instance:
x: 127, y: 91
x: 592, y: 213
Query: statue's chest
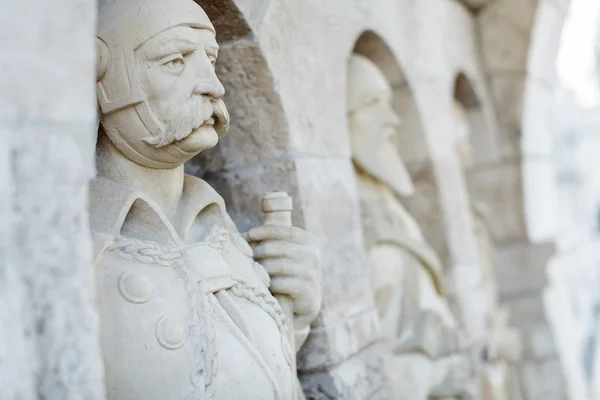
x: 202, y: 312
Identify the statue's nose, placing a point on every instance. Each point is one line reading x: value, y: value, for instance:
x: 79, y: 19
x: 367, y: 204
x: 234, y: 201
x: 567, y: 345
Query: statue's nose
x: 209, y: 84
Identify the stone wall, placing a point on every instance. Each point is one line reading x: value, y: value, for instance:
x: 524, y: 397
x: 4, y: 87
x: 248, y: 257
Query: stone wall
x: 48, y: 325
x: 283, y: 64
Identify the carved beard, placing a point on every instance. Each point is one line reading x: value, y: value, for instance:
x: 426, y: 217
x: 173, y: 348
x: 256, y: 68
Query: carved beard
x: 193, y: 116
x: 382, y: 161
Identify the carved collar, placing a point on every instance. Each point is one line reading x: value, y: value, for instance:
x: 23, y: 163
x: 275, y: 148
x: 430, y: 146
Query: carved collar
x: 116, y: 209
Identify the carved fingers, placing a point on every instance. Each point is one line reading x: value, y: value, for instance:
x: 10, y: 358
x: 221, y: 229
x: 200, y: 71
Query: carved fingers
x: 291, y: 256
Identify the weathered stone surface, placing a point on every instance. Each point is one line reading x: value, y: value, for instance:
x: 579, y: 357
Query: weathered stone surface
x: 47, y: 108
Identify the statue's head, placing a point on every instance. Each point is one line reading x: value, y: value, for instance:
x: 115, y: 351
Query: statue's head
x: 463, y: 135
x: 372, y: 123
x: 160, y: 101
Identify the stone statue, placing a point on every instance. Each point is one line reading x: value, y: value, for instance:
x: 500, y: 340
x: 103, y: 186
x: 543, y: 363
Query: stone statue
x: 187, y: 311
x: 502, y: 347
x: 426, y: 354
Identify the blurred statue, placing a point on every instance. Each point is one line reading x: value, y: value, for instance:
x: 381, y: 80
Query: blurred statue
x: 502, y: 346
x: 426, y: 351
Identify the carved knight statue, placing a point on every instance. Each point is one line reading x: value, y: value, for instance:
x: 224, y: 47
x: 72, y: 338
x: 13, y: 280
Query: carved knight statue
x: 187, y: 312
x: 502, y: 347
x: 427, y: 358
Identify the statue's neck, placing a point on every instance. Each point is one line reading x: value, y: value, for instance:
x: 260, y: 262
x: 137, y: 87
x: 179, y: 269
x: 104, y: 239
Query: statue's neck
x: 164, y: 186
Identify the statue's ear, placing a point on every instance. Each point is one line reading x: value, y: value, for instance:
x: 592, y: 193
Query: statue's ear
x: 102, y: 58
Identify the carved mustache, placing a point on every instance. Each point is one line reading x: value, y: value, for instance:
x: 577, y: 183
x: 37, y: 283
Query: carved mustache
x: 200, y: 112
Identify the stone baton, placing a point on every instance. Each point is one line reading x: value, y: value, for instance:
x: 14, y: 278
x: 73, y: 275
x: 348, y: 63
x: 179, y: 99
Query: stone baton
x: 277, y: 207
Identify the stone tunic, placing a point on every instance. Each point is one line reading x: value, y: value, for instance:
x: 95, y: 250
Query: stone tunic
x: 428, y: 359
x: 186, y: 313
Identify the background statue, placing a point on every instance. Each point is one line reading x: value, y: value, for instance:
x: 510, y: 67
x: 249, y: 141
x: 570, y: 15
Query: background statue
x: 426, y: 357
x: 186, y: 310
x: 501, y: 349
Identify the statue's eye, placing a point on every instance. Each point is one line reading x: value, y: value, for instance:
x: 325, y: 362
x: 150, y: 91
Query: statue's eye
x: 213, y: 61
x: 175, y: 64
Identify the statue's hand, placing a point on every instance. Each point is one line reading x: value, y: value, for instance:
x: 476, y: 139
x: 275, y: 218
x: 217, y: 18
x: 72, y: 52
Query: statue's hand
x: 291, y: 256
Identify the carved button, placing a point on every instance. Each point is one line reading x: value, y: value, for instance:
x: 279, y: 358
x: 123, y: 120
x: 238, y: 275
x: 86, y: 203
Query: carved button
x: 170, y: 332
x: 135, y: 288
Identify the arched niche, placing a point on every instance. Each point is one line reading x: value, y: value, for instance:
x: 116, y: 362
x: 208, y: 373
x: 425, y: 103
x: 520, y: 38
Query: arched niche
x: 425, y: 203
x: 475, y: 117
x: 491, y: 186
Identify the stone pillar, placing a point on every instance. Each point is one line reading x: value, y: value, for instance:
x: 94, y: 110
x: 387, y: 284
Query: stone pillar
x: 49, y: 345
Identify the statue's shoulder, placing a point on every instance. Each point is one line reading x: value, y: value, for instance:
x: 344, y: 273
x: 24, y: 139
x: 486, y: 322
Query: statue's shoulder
x: 204, y: 197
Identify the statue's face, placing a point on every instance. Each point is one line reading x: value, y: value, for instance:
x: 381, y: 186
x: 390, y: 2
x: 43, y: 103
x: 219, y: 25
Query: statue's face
x: 183, y: 113
x: 377, y: 118
x: 372, y: 128
x: 177, y: 74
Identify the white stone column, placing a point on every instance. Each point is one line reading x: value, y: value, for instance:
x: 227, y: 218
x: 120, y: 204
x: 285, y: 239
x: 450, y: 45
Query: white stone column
x: 49, y: 344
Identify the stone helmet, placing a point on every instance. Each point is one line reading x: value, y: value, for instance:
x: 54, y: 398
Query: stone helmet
x: 123, y: 105
x: 116, y: 75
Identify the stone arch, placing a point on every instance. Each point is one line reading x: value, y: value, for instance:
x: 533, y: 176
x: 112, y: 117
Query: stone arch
x: 411, y: 142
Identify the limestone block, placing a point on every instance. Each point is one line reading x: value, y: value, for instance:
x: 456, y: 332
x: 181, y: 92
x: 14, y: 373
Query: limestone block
x: 507, y: 92
x: 497, y: 189
x: 521, y: 267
